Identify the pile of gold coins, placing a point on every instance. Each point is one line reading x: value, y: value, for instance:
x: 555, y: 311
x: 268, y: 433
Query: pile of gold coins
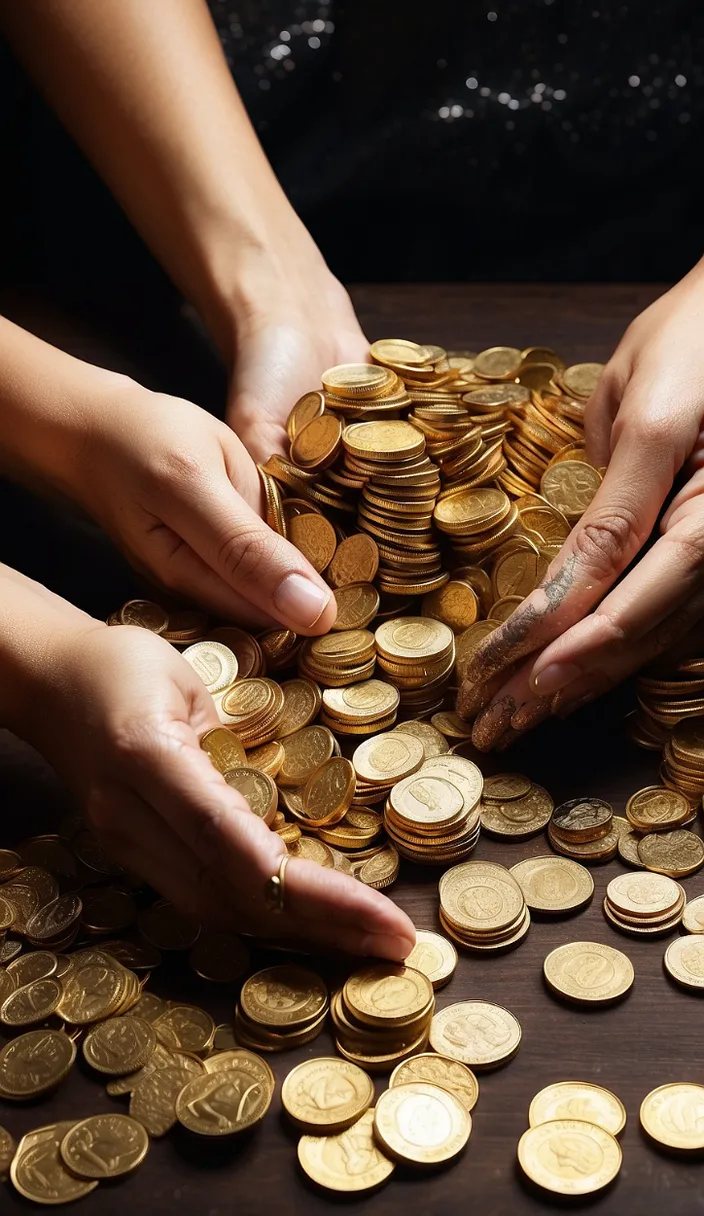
x: 381, y: 1015
x: 281, y: 1008
x: 482, y: 907
x: 644, y: 904
x: 513, y: 807
x: 432, y: 816
x: 571, y: 1146
x: 586, y: 830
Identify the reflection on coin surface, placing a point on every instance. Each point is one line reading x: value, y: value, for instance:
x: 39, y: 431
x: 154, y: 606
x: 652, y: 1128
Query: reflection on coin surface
x: 421, y: 1124
x: 349, y: 1161
x: 476, y: 1033
x: 674, y: 1115
x: 578, y: 1100
x: 569, y: 1157
x: 326, y: 1093
x: 439, y: 1070
x: 588, y: 972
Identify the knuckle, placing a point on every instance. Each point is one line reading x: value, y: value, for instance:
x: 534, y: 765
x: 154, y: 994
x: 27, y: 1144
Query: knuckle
x: 244, y: 553
x: 604, y: 543
x: 177, y: 466
x: 687, y: 537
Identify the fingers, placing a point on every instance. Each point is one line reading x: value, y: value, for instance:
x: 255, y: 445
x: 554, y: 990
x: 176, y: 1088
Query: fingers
x: 599, y: 548
x: 337, y: 910
x: 513, y: 710
x: 599, y: 415
x: 248, y: 557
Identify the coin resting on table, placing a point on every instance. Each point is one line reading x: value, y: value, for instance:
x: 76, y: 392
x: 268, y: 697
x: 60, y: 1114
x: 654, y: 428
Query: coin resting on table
x: 431, y: 489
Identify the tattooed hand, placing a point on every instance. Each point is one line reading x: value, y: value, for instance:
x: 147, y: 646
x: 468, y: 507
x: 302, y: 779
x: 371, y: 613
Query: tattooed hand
x: 574, y: 636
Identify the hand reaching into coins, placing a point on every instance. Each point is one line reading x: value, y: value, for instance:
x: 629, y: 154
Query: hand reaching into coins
x: 120, y: 718
x: 304, y: 324
x: 179, y: 493
x: 559, y: 649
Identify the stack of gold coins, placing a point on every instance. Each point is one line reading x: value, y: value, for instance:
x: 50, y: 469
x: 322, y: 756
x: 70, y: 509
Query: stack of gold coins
x: 382, y: 1015
x: 658, y: 809
x: 514, y: 807
x: 644, y: 905
x: 586, y: 830
x: 669, y: 692
x: 254, y: 709
x: 417, y: 656
x: 280, y: 1008
x: 382, y: 761
x: 683, y: 759
x: 478, y: 520
x: 482, y: 907
x: 432, y: 816
x: 360, y: 709
x: 337, y: 659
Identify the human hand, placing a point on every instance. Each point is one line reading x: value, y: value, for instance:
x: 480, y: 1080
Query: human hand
x: 646, y: 422
x: 179, y: 494
x: 119, y: 716
x: 293, y: 322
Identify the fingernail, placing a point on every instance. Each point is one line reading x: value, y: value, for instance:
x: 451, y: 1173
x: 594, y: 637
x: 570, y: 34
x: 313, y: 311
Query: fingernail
x: 554, y: 677
x: 385, y: 945
x: 491, y: 724
x: 531, y: 714
x: 300, y: 601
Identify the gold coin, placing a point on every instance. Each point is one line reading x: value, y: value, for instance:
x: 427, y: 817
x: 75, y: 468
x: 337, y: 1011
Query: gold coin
x: 326, y: 1094
x: 578, y: 1100
x: 30, y: 967
x: 33, y: 1003
x: 433, y: 956
x: 481, y: 896
x: 214, y: 663
x: 672, y: 1116
x: 315, y: 537
x: 55, y: 919
x: 693, y: 916
x: 314, y: 850
x: 304, y: 752
x: 570, y: 487
x: 35, y: 1062
x: 677, y: 853
x: 384, y: 440
x: 505, y: 787
x: 581, y: 379
x: 118, y: 1046
x: 427, y: 798
x: 224, y: 1060
x: 357, y: 605
x: 388, y: 757
x: 356, y: 380
x: 380, y: 870
x: 329, y: 792
x: 643, y: 895
x: 257, y: 789
x: 356, y: 560
x: 285, y: 996
x: 421, y: 1124
x: 413, y: 637
x: 395, y: 351
x: 38, y: 1172
x: 144, y: 615
x: 185, y: 1027
x: 349, y: 1162
x: 308, y: 407
x: 471, y: 511
x: 447, y: 1074
x: 476, y: 1033
x: 104, y: 1146
x: 388, y: 994
x: 434, y: 742
x: 268, y: 758
x: 569, y: 1157
x: 302, y: 701
x: 553, y: 884
x: 684, y: 961
x: 368, y: 701
x: 588, y: 973
x: 225, y: 1103
x: 455, y: 604
x: 657, y: 809
x: 317, y: 443
x: 518, y: 817
x: 224, y: 748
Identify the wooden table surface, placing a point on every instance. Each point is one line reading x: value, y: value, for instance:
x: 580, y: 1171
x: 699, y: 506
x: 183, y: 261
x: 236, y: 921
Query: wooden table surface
x: 652, y: 1037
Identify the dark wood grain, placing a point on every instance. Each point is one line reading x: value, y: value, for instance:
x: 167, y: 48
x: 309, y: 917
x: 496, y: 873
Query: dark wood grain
x: 654, y: 1036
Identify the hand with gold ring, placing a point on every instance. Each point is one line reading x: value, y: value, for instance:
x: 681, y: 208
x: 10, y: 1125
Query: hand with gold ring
x: 119, y: 714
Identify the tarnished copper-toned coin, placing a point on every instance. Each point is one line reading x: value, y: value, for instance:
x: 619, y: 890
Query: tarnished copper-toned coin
x: 356, y: 560
x: 316, y: 444
x: 315, y: 537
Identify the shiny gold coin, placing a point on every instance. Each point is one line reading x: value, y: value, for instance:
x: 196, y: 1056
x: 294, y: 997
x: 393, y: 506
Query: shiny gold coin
x: 388, y: 994
x: 30, y: 967
x: 226, y: 1103
x: 569, y: 1157
x: 308, y: 407
x: 356, y: 380
x: 316, y: 444
x: 356, y: 560
x: 476, y: 1033
x: 144, y: 615
x: 684, y: 962
x: 578, y: 1100
x: 153, y: 1100
x: 369, y: 701
x: 257, y: 788
x: 421, y: 1124
x: 304, y: 753
x: 357, y: 605
x: 553, y: 884
x: 581, y: 379
x: 118, y: 1046
x: 657, y: 809
x: 349, y: 1162
x: 481, y: 896
x: 268, y: 758
x: 35, y: 1063
x: 447, y: 1074
x: 384, y: 440
x: 326, y: 1094
x: 104, y: 1146
x: 570, y: 486
x: 183, y: 1027
x: 380, y: 870
x: 693, y: 916
x: 677, y: 853
x: 37, y: 1170
x: 329, y: 792
x: 388, y: 757
x: 643, y: 895
x: 588, y: 973
x: 302, y: 701
x: 455, y: 604
x: 214, y: 663
x: 672, y: 1116
x: 395, y: 351
x: 224, y: 748
x: 33, y: 1003
x: 434, y: 956
x: 434, y: 742
x: 518, y: 817
x: 413, y: 638
x: 284, y: 997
